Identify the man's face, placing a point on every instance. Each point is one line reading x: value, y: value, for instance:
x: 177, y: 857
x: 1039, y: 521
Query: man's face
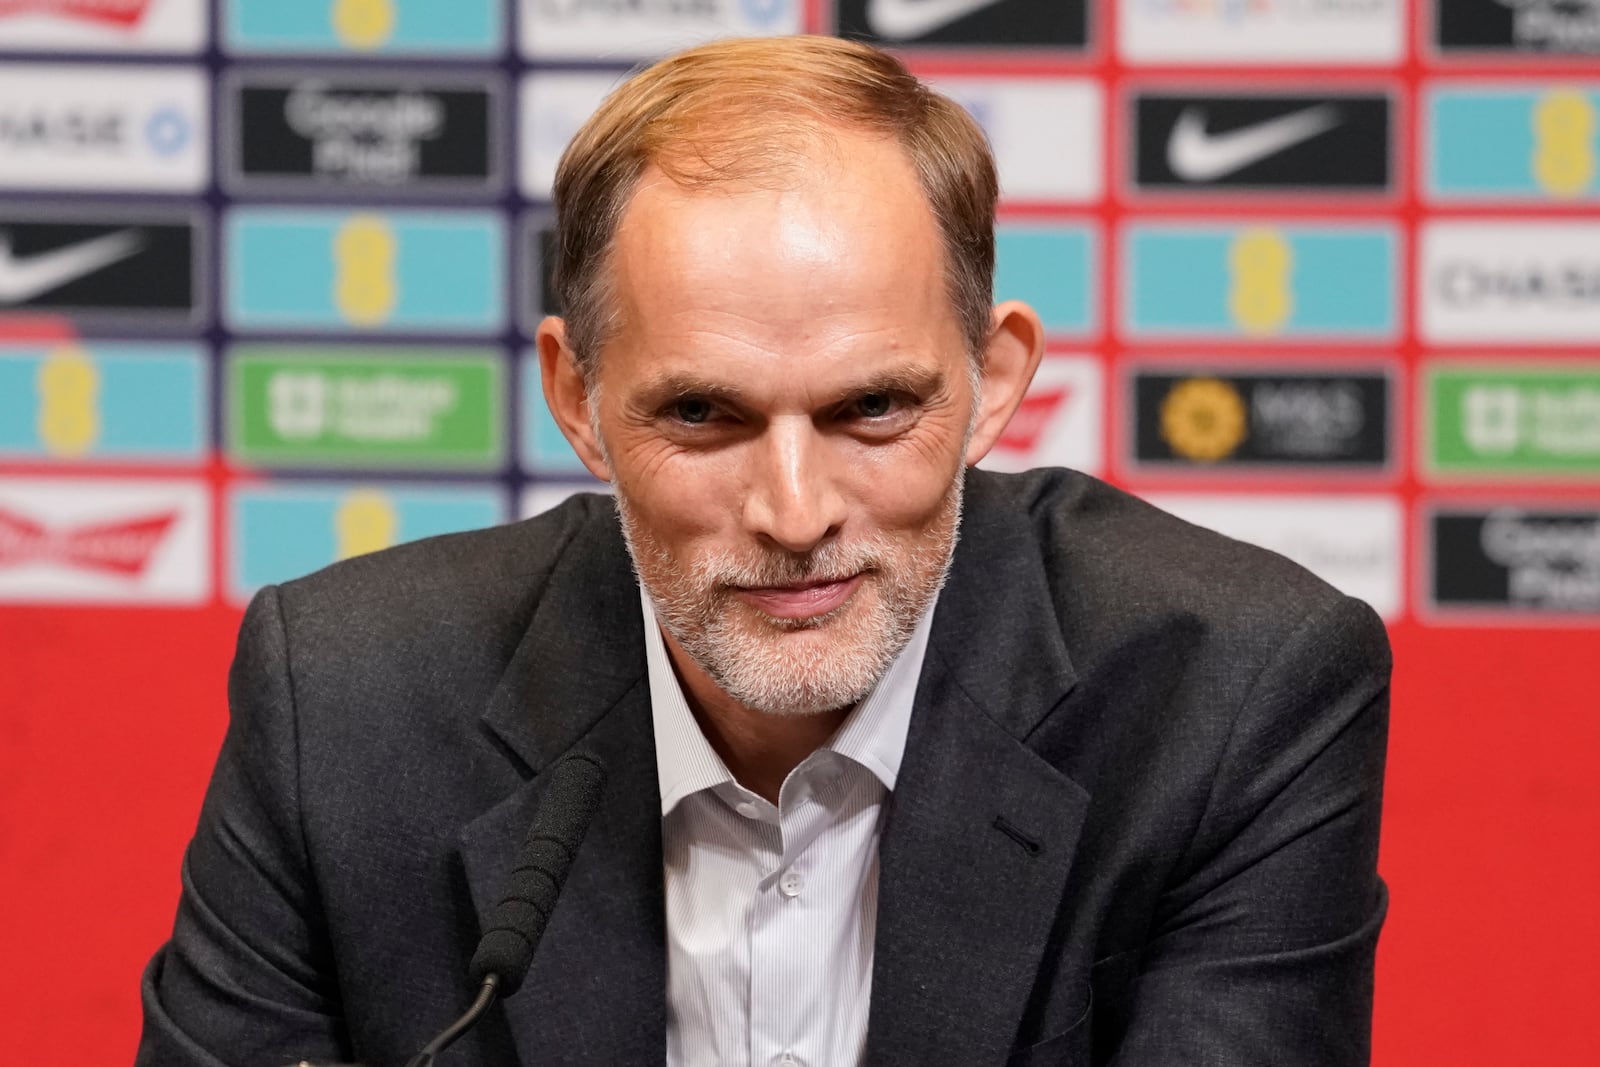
x: 784, y: 411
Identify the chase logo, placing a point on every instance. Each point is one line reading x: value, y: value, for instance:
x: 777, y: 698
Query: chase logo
x: 285, y: 530
x: 1510, y: 281
x: 1515, y: 144
x: 373, y: 27
x: 1260, y: 282
x: 103, y: 127
x: 103, y: 402
x: 365, y: 271
x: 1051, y: 267
x: 641, y: 29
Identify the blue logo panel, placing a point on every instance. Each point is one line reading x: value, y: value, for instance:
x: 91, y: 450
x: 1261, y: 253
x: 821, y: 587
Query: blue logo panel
x: 1262, y: 282
x: 1514, y: 144
x: 365, y: 27
x: 366, y: 272
x: 1053, y: 269
x: 104, y: 402
x: 544, y: 447
x: 285, y: 530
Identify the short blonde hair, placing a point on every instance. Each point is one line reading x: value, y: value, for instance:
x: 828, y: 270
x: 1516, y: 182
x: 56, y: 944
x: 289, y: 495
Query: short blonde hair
x: 744, y: 110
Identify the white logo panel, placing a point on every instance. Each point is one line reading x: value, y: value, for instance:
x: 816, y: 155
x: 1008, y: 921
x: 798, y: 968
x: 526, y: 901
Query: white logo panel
x: 643, y: 29
x: 1058, y: 158
x: 1060, y: 423
x: 1350, y: 542
x: 1271, y: 31
x: 104, y: 541
x: 1510, y: 281
x: 97, y: 126
x: 103, y: 25
x: 553, y: 106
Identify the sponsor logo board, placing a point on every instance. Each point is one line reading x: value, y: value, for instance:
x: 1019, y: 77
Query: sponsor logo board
x: 103, y: 127
x: 103, y: 25
x: 1053, y: 268
x: 536, y: 288
x: 1512, y: 419
x: 1530, y: 281
x: 283, y: 530
x: 1060, y: 422
x: 1501, y: 27
x: 1514, y: 143
x: 1057, y: 161
x: 1272, y: 31
x: 642, y: 29
x: 541, y: 497
x: 1533, y: 560
x: 104, y: 541
x: 111, y: 266
x: 552, y: 105
x: 322, y: 133
x: 1301, y: 420
x: 1274, y: 141
x: 104, y: 402
x: 1352, y: 542
x: 365, y: 271
x: 366, y: 407
x: 977, y: 24
x: 364, y: 27
x: 1261, y: 281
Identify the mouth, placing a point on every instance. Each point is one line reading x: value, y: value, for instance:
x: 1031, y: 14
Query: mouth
x: 801, y: 600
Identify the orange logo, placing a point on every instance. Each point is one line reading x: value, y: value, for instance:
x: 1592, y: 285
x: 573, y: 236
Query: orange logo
x: 124, y: 547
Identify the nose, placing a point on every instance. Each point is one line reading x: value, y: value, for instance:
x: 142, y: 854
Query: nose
x: 792, y: 498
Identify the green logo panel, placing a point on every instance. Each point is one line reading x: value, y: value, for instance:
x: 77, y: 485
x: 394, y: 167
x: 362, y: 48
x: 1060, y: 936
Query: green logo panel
x: 367, y: 407
x: 1513, y: 420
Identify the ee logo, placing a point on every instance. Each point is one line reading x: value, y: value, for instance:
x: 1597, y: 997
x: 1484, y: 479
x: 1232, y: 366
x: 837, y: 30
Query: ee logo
x: 363, y: 24
x: 365, y: 287
x: 69, y: 409
x: 1564, y: 142
x: 1259, y: 297
x: 365, y: 522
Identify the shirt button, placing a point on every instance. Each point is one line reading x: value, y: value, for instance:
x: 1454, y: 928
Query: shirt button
x: 789, y: 1059
x: 747, y: 809
x: 790, y: 885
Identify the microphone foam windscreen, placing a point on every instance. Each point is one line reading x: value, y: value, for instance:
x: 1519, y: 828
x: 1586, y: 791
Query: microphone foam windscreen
x: 519, y: 919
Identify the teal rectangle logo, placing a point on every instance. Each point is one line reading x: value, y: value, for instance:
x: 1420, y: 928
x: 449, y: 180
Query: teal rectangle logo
x: 364, y: 27
x: 1261, y: 282
x: 287, y: 529
x: 104, y: 402
x: 365, y: 272
x: 1051, y: 268
x: 1526, y: 143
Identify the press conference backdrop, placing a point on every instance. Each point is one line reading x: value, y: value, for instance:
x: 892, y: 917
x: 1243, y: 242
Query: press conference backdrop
x: 1321, y: 274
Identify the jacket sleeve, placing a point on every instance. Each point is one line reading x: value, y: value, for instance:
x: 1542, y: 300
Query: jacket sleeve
x: 1263, y: 946
x: 247, y: 977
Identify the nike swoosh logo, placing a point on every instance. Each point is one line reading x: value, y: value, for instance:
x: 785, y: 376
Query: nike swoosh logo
x: 901, y: 20
x: 24, y: 279
x: 1197, y: 156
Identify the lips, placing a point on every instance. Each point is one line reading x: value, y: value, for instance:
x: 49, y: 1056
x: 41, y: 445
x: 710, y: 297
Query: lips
x: 805, y: 600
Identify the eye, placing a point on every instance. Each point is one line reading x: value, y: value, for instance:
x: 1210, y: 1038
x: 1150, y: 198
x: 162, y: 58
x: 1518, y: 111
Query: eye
x: 874, y: 405
x: 692, y: 410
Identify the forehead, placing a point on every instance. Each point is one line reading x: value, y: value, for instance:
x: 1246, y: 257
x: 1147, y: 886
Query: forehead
x: 836, y: 247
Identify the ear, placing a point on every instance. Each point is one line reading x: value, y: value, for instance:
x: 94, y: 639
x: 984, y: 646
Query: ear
x: 1011, y: 355
x: 567, y: 395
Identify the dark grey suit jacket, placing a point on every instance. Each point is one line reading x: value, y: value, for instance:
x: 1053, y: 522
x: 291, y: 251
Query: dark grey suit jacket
x: 1136, y: 823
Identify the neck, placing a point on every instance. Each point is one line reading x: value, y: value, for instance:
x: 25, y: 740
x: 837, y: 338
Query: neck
x: 759, y: 749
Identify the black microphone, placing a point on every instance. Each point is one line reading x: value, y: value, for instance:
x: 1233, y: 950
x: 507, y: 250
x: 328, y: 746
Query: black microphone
x: 517, y: 923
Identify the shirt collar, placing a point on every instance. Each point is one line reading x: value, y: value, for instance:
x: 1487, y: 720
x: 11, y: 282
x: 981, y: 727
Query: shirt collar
x: 874, y: 734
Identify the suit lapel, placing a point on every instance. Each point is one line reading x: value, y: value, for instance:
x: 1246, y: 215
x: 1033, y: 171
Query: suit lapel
x: 981, y: 833
x: 597, y: 988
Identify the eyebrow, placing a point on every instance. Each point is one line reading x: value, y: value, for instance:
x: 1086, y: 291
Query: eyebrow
x: 663, y: 389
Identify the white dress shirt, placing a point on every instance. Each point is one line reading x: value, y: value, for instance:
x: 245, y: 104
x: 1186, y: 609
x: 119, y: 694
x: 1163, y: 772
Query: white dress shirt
x: 772, y: 911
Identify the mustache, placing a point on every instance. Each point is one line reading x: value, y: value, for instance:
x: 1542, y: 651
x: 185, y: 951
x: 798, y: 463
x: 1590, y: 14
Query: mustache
x: 825, y: 563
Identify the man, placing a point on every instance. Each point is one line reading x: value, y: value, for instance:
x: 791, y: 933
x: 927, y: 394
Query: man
x: 908, y: 764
